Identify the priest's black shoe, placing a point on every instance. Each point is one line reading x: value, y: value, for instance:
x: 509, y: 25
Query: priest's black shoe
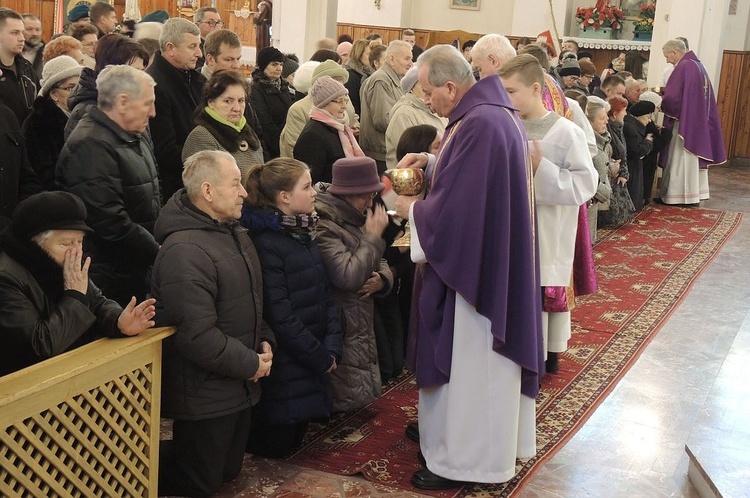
x: 424, y: 479
x: 552, y: 363
x: 420, y: 458
x: 412, y: 431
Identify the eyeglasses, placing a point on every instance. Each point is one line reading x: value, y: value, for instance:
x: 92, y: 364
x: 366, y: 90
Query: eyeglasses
x: 341, y: 101
x: 574, y: 78
x: 90, y: 44
x: 213, y: 23
x: 68, y: 88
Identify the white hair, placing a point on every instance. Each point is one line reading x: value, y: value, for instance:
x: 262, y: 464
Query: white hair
x: 594, y: 105
x: 116, y: 80
x: 497, y: 45
x: 446, y: 64
x: 394, y: 45
x: 203, y: 167
x: 675, y: 45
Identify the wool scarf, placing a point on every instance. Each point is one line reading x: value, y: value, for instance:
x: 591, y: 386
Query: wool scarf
x: 346, y: 135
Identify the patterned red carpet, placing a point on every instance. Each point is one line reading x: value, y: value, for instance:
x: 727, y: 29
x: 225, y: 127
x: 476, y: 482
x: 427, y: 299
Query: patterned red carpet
x: 645, y: 268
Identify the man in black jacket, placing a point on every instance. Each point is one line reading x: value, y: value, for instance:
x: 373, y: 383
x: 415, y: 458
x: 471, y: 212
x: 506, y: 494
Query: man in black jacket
x: 111, y: 167
x: 19, y: 83
x: 178, y: 92
x: 17, y: 179
x: 208, y: 283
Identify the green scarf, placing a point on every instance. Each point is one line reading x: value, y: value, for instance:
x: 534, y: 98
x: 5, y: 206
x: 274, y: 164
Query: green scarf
x: 215, y: 115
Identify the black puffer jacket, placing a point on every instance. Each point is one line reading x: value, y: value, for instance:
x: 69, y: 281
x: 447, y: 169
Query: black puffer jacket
x: 114, y: 173
x: 319, y: 146
x: 19, y: 87
x: 43, y: 132
x: 208, y: 283
x: 299, y: 308
x: 271, y: 104
x: 17, y: 179
x: 38, y: 318
x: 82, y: 98
x: 178, y: 93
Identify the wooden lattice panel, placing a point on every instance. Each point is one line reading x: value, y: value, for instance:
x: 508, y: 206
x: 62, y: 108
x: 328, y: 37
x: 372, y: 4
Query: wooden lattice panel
x: 89, y: 432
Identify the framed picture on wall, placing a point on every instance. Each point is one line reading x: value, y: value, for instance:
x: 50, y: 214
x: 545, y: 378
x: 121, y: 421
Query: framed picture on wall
x: 464, y: 4
x: 631, y: 8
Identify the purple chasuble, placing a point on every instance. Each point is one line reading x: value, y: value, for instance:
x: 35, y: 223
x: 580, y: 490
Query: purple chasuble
x: 477, y: 228
x: 689, y: 98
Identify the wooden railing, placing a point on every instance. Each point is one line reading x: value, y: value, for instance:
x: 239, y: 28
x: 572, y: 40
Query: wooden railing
x: 85, y: 423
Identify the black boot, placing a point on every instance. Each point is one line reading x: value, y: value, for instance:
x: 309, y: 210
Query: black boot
x: 552, y: 363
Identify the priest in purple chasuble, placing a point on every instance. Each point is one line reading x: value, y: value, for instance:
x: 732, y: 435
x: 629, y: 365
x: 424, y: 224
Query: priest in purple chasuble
x: 690, y: 111
x: 477, y: 352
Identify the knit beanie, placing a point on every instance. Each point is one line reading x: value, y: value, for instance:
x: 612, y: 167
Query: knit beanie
x: 330, y: 68
x: 290, y: 67
x: 303, y: 77
x: 570, y: 67
x: 326, y: 89
x: 652, y: 97
x: 268, y: 55
x: 56, y: 70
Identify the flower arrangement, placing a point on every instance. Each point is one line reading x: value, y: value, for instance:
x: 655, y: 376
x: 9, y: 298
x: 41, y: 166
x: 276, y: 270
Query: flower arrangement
x: 608, y: 16
x: 645, y: 21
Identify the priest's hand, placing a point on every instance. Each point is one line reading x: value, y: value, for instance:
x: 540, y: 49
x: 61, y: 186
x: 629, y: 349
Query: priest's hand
x: 622, y: 181
x: 412, y: 160
x: 403, y: 203
x: 135, y: 319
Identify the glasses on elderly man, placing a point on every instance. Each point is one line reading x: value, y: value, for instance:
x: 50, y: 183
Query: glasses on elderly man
x: 213, y: 23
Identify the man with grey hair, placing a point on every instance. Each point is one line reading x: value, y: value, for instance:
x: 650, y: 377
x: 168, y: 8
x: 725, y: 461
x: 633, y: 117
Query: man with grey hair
x: 178, y: 92
x: 208, y: 20
x: 108, y: 164
x: 691, y: 114
x: 478, y: 353
x: 208, y: 284
x: 490, y: 52
x: 378, y: 95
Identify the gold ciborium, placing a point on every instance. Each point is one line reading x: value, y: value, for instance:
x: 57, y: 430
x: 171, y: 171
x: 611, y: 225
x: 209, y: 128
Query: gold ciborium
x: 406, y: 181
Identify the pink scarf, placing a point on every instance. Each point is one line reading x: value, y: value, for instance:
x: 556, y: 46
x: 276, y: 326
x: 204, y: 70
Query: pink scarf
x: 348, y: 141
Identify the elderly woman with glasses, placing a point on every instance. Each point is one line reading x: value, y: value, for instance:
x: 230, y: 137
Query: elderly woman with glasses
x: 44, y: 128
x: 327, y: 136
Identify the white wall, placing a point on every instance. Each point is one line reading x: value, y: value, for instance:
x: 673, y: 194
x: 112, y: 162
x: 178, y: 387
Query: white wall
x: 738, y: 28
x: 531, y: 17
x: 495, y: 16
x: 299, y: 24
x: 365, y: 12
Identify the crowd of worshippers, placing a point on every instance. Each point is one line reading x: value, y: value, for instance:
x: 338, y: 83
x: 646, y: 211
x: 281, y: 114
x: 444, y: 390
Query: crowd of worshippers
x: 147, y: 182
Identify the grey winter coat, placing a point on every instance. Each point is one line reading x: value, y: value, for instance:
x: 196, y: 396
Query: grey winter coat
x: 379, y: 94
x: 409, y: 111
x: 350, y: 256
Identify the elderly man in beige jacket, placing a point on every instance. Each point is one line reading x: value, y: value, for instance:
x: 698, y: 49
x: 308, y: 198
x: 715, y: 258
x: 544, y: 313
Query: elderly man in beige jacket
x: 379, y: 94
x: 410, y: 110
x: 299, y: 113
